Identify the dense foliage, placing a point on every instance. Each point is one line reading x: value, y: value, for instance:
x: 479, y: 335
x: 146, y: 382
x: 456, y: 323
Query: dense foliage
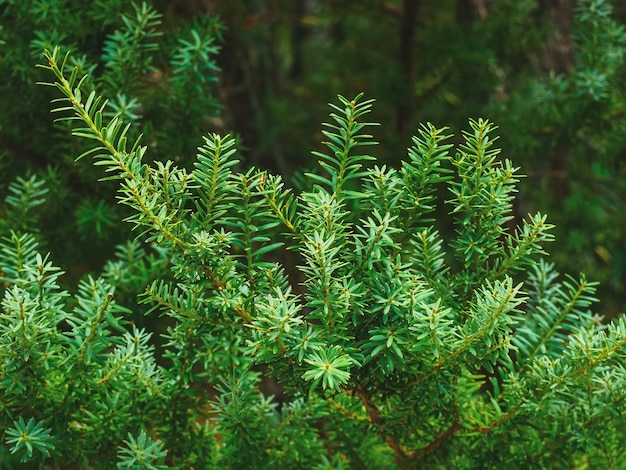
x: 368, y: 312
x: 160, y: 74
x: 549, y: 73
x: 569, y: 129
x: 395, y: 345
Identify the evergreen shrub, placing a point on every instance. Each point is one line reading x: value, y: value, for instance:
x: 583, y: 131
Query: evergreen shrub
x: 395, y: 347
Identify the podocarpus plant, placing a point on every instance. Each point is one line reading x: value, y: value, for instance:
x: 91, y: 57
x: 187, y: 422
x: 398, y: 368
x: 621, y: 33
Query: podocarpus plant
x: 394, y: 346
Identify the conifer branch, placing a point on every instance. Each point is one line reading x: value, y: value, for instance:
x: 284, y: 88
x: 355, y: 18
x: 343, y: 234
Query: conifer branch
x: 112, y: 139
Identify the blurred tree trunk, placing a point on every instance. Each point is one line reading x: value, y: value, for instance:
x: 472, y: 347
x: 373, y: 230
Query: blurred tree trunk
x: 408, y: 24
x: 238, y: 91
x: 464, y: 13
x: 620, y: 11
x: 558, y: 58
x: 298, y: 36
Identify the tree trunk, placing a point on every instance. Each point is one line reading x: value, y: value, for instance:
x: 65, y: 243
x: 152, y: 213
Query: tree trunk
x: 558, y: 58
x: 408, y: 23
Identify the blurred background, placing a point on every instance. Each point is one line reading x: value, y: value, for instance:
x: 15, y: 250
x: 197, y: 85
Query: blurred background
x: 549, y: 73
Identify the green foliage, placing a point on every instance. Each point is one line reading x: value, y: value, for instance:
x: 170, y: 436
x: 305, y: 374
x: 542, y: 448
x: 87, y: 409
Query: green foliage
x: 140, y: 453
x: 126, y: 52
x: 24, y: 196
x: 396, y: 346
x: 159, y: 73
x: 549, y: 73
x: 26, y: 437
x: 569, y: 133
